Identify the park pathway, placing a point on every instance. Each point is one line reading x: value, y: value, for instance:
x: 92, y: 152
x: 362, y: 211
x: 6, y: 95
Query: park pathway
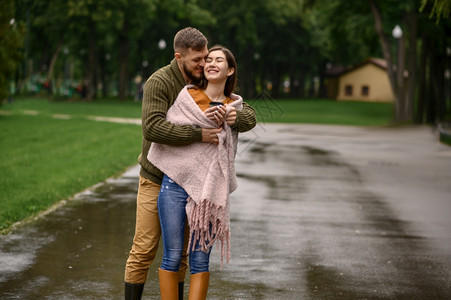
x: 321, y: 212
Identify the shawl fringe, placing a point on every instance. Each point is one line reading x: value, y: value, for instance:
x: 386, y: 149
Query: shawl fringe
x: 208, y: 223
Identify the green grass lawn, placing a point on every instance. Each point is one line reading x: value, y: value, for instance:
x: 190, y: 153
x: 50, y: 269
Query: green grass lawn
x: 45, y: 159
x: 321, y: 111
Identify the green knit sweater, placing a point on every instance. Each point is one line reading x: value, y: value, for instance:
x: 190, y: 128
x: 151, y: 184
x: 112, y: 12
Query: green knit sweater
x: 160, y: 92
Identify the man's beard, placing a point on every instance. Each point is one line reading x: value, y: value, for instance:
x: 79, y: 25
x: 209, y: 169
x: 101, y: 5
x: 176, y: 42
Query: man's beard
x: 193, y: 79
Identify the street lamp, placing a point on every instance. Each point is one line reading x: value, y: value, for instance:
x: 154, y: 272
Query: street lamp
x: 397, y: 34
x: 162, y: 44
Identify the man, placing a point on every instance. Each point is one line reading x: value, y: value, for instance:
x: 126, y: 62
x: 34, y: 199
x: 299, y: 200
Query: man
x: 160, y: 92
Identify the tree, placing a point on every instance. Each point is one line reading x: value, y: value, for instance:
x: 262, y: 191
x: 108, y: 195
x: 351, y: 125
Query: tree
x: 404, y: 102
x: 341, y: 33
x: 274, y: 42
x: 429, y: 101
x: 435, y: 62
x: 89, y: 20
x: 132, y: 17
x: 440, y: 8
x: 11, y: 43
x: 51, y: 19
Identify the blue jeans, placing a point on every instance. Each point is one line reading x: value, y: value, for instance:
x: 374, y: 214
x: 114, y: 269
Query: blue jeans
x: 171, y: 209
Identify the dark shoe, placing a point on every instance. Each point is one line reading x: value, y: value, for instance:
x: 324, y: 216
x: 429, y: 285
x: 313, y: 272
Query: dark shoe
x: 133, y: 291
x: 181, y: 285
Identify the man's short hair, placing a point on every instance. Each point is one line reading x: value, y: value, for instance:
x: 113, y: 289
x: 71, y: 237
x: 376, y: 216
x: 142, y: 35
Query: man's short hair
x: 189, y: 38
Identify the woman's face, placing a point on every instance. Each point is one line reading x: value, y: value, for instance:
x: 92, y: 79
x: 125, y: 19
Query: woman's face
x: 216, y: 67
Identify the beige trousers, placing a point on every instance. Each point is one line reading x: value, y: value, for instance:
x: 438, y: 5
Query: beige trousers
x: 147, y: 235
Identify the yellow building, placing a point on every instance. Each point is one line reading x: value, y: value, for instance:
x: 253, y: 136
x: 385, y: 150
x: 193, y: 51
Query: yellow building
x: 367, y: 81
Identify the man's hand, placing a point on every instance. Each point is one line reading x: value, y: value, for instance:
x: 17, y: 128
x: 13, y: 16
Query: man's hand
x: 216, y: 114
x: 211, y: 135
x: 231, y: 117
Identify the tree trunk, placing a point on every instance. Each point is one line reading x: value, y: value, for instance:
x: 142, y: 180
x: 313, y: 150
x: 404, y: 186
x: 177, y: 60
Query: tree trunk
x: 103, y: 77
x: 419, y: 113
x: 123, y: 64
x: 90, y: 68
x: 301, y: 88
x: 400, y: 67
x: 294, y: 81
x: 385, y: 49
x: 430, y: 91
x: 247, y: 72
x: 384, y: 43
x: 448, y: 87
x: 123, y: 68
x: 439, y: 84
x: 51, y: 68
x: 311, y: 87
x: 412, y: 21
x: 322, y: 89
x: 276, y: 81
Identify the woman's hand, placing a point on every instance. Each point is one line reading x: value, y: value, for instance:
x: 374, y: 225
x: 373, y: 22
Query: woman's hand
x: 216, y: 114
x: 231, y: 116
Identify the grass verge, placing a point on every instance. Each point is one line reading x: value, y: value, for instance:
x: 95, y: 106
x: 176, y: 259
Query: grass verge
x: 322, y: 111
x: 44, y: 160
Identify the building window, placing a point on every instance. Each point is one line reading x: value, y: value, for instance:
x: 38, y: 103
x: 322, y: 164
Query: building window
x: 365, y: 90
x: 348, y: 90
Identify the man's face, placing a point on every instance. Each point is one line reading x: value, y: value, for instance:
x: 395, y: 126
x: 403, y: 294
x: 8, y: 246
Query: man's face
x: 193, y: 63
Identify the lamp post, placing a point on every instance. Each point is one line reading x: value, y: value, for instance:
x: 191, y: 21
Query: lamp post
x: 161, y: 46
x: 448, y: 74
x: 397, y: 34
x: 398, y: 74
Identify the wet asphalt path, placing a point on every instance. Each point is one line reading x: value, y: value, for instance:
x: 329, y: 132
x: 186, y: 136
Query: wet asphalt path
x: 321, y: 212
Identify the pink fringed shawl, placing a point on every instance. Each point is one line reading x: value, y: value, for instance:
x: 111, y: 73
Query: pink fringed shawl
x: 204, y: 170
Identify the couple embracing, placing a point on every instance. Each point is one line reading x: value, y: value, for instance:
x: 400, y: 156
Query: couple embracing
x: 190, y: 124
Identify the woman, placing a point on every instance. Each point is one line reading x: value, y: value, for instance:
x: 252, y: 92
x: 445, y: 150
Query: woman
x: 198, y: 178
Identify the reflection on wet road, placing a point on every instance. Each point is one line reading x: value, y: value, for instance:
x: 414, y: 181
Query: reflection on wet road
x: 75, y: 252
x: 312, y: 231
x: 309, y: 221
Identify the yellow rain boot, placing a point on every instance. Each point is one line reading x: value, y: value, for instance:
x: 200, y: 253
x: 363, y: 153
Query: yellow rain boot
x: 169, y: 285
x: 198, y: 286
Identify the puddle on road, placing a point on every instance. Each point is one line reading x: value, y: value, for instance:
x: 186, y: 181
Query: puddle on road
x: 319, y: 224
x: 75, y: 252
